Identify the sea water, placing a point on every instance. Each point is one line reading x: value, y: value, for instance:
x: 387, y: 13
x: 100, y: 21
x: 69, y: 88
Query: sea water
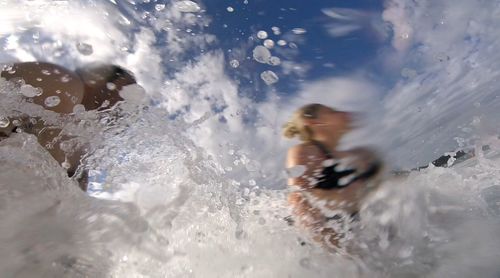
x: 199, y: 191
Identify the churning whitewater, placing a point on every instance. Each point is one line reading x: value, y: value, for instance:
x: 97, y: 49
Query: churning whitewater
x: 189, y: 181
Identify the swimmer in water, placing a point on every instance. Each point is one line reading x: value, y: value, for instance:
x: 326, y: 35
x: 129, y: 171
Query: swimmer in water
x: 328, y: 185
x: 96, y: 87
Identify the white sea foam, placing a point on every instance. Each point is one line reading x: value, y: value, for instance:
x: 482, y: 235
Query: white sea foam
x: 167, y: 199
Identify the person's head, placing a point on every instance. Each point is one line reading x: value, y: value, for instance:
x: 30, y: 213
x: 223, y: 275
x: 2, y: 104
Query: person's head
x: 317, y: 122
x: 51, y: 86
x: 102, y: 85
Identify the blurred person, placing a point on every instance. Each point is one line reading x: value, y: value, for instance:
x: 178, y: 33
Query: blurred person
x: 328, y: 185
x: 96, y: 87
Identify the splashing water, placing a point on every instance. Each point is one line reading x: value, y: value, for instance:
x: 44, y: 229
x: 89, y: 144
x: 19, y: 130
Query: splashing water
x: 167, y: 198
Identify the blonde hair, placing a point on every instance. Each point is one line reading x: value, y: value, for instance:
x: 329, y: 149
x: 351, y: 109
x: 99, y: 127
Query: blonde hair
x: 296, y: 127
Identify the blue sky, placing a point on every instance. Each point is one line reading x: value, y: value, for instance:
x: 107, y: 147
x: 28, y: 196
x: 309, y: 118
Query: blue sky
x: 325, y: 55
x: 319, y: 53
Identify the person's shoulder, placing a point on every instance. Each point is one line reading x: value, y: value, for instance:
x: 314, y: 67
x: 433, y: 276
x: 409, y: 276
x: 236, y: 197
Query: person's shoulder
x: 301, y: 152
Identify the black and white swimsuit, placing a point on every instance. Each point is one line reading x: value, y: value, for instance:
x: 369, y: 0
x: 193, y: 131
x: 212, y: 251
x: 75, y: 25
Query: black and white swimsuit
x: 336, y: 175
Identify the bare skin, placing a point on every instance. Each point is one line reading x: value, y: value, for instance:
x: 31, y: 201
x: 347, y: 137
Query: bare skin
x: 327, y: 128
x: 91, y: 89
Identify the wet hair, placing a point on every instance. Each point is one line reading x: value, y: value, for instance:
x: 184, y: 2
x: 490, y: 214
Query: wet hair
x: 296, y: 127
x: 94, y: 76
x: 107, y: 72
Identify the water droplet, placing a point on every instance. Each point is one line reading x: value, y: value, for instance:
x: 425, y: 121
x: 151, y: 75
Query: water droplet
x: 84, y: 48
x: 234, y: 63
x: 269, y: 77
x: 230, y: 9
x: 269, y: 43
x: 65, y: 79
x: 187, y: 6
x: 46, y: 72
x: 281, y: 42
x: 39, y: 79
x: 245, y: 2
x: 30, y: 91
x: 78, y: 109
x: 276, y: 30
x: 159, y: 7
x: 110, y: 86
x: 261, y: 54
x: 299, y: 31
x: 52, y: 101
x: 66, y: 165
x: 274, y: 61
x: 252, y: 182
x: 262, y: 35
x: 305, y: 263
x: 4, y: 122
x: 8, y: 68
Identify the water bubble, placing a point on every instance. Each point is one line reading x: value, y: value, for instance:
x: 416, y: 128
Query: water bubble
x: 281, y: 42
x: 230, y: 9
x: 293, y: 45
x: 442, y: 57
x: 274, y: 61
x: 52, y: 101
x: 46, y: 72
x: 245, y: 2
x: 252, y: 182
x: 187, y: 6
x: 39, y: 79
x: 30, y: 91
x: 4, y: 122
x: 78, y: 109
x: 234, y: 63
x: 110, y: 86
x: 299, y: 31
x: 269, y: 43
x: 269, y: 77
x: 276, y: 30
x: 262, y: 35
x: 261, y: 54
x: 84, y: 48
x: 159, y: 7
